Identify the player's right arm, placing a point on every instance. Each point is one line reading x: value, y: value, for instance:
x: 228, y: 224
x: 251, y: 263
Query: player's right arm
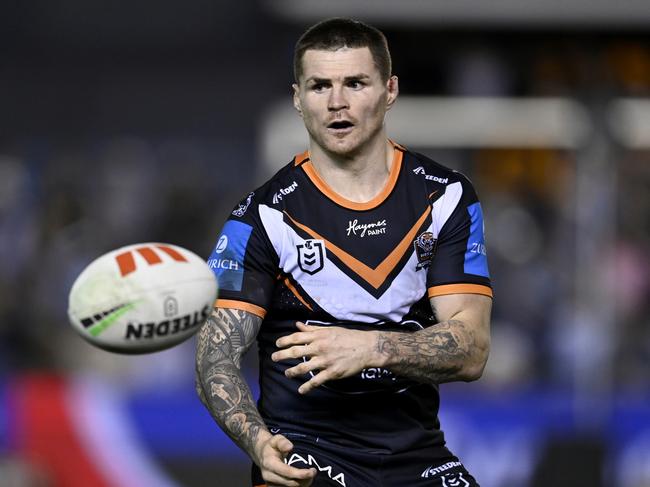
x: 222, y: 341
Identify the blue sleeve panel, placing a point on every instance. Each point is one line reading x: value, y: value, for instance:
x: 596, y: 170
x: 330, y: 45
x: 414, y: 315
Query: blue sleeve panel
x: 228, y: 257
x: 476, y: 254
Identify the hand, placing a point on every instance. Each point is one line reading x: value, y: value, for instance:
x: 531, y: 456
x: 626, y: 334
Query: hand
x: 333, y: 352
x: 270, y: 454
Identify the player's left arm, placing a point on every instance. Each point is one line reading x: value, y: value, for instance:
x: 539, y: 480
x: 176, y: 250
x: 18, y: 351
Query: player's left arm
x: 455, y: 349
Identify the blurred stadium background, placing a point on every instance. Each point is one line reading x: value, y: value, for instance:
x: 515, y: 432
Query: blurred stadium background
x: 147, y: 121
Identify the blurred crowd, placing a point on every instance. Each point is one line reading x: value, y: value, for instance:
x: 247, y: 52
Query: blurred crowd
x: 568, y: 230
x: 65, y: 201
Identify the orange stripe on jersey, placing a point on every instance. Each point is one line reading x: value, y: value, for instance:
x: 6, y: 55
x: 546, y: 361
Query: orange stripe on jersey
x: 459, y: 289
x: 374, y: 277
x: 300, y: 158
x: 149, y: 255
x: 293, y: 289
x: 353, y: 205
x: 399, y: 146
x: 240, y: 305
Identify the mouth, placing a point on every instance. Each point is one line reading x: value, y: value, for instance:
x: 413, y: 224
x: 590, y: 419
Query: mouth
x: 340, y: 127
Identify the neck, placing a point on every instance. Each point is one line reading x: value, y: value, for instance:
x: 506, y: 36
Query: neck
x: 358, y: 178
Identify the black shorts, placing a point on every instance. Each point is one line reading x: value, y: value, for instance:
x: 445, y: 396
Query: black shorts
x: 342, y: 467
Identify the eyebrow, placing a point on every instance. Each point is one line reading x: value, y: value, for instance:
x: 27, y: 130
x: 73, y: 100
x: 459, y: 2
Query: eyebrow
x: 356, y: 77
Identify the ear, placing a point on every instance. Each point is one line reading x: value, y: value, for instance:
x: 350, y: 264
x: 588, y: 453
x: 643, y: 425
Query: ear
x: 392, y: 90
x: 296, y: 98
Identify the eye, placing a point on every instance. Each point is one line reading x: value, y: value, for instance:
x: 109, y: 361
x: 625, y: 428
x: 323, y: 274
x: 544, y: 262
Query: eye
x: 355, y: 84
x: 319, y: 87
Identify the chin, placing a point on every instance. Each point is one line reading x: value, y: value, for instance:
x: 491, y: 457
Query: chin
x: 344, y: 147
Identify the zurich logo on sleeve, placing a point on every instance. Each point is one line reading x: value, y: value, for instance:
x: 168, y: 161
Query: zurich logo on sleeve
x: 476, y: 253
x: 227, y: 259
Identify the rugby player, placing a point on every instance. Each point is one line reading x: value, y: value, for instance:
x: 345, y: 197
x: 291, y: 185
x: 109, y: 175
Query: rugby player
x: 360, y: 268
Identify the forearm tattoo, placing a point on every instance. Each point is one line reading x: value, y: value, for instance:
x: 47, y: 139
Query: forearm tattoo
x: 222, y: 341
x: 437, y: 354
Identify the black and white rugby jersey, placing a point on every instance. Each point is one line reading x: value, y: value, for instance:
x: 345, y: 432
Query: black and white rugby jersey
x: 293, y: 250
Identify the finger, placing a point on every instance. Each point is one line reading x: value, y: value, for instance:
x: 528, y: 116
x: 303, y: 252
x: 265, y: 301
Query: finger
x: 314, y: 382
x: 295, y: 351
x: 308, y: 482
x: 278, y: 470
x: 298, y: 338
x: 274, y: 480
x: 281, y: 444
x: 277, y: 466
x: 304, y: 368
x: 305, y: 327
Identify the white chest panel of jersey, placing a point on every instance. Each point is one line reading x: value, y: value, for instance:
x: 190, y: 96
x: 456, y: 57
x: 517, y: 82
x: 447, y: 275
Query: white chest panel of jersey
x: 306, y: 260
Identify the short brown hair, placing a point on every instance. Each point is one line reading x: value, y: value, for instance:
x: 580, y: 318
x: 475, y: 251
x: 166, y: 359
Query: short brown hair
x: 335, y: 33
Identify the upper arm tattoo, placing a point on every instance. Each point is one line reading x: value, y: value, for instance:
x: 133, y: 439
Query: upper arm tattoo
x: 222, y: 341
x: 227, y: 333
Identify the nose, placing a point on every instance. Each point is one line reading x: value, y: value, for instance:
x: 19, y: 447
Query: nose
x: 337, y: 100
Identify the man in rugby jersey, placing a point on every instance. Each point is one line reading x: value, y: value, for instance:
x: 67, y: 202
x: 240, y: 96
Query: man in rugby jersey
x: 360, y: 269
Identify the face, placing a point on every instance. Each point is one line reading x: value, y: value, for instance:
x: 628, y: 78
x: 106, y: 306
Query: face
x: 343, y: 100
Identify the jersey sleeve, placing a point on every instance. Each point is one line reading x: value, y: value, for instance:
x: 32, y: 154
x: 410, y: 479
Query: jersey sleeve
x: 244, y: 262
x: 459, y: 265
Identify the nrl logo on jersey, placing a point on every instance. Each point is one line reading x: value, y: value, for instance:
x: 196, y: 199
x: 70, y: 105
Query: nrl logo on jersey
x: 311, y: 256
x: 425, y: 249
x: 277, y: 197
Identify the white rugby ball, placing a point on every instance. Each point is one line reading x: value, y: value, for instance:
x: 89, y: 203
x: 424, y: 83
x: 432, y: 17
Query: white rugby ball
x: 142, y: 298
